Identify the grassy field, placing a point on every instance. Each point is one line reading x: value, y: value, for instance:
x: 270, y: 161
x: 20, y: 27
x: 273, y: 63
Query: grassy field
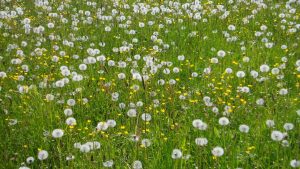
x: 149, y: 84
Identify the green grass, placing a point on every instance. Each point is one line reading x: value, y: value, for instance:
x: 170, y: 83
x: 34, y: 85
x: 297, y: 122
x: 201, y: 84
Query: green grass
x: 171, y: 124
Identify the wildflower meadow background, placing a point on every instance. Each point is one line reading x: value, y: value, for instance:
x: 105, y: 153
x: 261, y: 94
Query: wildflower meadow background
x: 153, y: 84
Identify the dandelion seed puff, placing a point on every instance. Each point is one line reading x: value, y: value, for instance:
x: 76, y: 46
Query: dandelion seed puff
x: 218, y: 151
x: 60, y: 83
x: 214, y: 60
x: 77, y: 145
x: 29, y: 160
x: 285, y: 143
x: 264, y: 68
x: 146, y: 142
x: 108, y: 163
x: 283, y: 92
x: 228, y: 70
x: 82, y: 67
x: 146, y: 117
x: 71, y: 121
x: 246, y: 59
x: 201, y: 141
x: 137, y: 164
x: 197, y: 123
x: 24, y: 167
x: 231, y: 27
x: 132, y: 113
x: 176, y: 70
x: 298, y: 112
x: 288, y: 126
x: 260, y: 101
x: 102, y: 126
x: 254, y: 74
x: 223, y: 121
x: 240, y: 74
x: 221, y: 53
x: 277, y: 135
x: 270, y: 123
x: 111, y: 123
x: 94, y: 145
x: 71, y: 102
x: 244, y: 128
x: 57, y: 133
x: 70, y: 157
x: 275, y: 71
x: 295, y: 163
x: 68, y: 112
x: 181, y: 57
x: 176, y: 154
x: 85, y: 148
x: 3, y: 75
x: 43, y: 155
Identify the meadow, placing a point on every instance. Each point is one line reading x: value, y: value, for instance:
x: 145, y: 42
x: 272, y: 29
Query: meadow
x: 153, y: 84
